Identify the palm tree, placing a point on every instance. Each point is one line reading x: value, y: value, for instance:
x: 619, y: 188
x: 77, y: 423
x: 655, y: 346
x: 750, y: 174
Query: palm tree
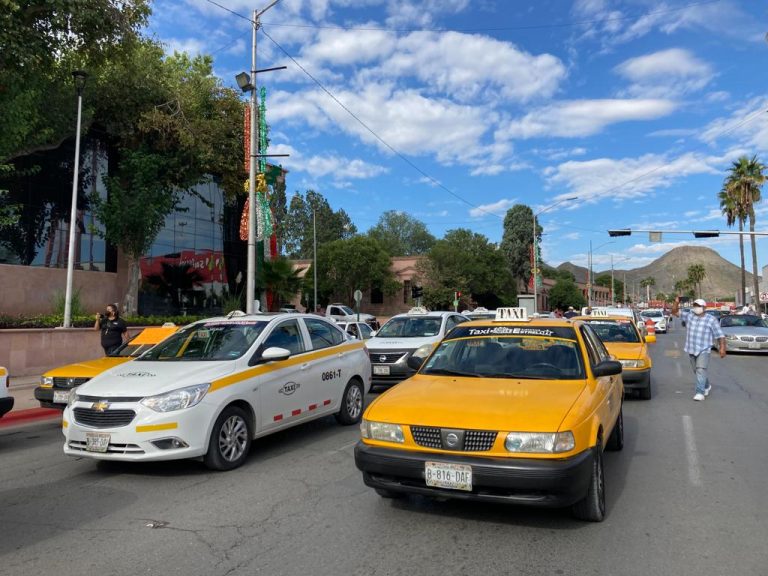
x: 746, y: 178
x: 696, y: 274
x: 734, y: 212
x: 647, y: 283
x: 175, y: 280
x: 280, y: 279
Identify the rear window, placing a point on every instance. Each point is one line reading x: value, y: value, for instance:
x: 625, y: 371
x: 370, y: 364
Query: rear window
x: 613, y: 331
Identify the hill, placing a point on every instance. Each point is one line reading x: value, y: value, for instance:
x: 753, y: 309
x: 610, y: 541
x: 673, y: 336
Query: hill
x: 723, y: 277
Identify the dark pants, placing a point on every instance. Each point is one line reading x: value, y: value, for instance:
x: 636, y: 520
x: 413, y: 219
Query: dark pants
x: 108, y: 350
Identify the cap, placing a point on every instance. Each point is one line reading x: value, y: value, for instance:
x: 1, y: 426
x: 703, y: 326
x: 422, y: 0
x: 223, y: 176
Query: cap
x: 700, y: 302
x: 570, y: 307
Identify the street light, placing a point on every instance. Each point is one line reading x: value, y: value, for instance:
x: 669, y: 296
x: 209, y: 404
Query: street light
x: 535, y: 255
x: 80, y: 77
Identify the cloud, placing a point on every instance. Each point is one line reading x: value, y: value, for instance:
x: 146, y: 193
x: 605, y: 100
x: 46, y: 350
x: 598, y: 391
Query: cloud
x: 666, y: 73
x: 339, y: 167
x: 500, y: 207
x: 747, y: 126
x: 579, y: 118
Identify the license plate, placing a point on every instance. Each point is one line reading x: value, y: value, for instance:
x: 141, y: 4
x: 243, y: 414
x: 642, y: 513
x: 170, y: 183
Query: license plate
x: 754, y: 345
x: 60, y: 396
x: 381, y: 370
x: 96, y: 441
x: 451, y: 476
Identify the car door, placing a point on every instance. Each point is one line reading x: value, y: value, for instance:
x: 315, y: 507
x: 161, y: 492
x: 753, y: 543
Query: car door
x: 609, y: 389
x: 284, y: 388
x: 331, y: 364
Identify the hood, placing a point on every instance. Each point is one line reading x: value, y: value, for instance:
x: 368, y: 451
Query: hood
x: 377, y: 343
x: 746, y: 330
x: 475, y: 403
x: 150, y: 378
x: 626, y: 350
x: 87, y: 369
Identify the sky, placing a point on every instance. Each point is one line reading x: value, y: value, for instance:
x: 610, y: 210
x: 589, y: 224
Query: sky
x: 455, y: 110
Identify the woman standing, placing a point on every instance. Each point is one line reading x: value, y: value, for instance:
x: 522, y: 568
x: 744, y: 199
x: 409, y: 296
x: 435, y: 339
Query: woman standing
x: 113, y: 329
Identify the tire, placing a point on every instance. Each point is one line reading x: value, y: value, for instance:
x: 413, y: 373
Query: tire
x: 616, y: 439
x: 384, y: 493
x: 646, y: 393
x: 351, y: 409
x: 230, y: 440
x: 592, y: 507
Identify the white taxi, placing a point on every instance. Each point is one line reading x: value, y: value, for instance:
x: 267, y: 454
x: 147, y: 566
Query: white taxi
x: 415, y: 333
x: 214, y: 386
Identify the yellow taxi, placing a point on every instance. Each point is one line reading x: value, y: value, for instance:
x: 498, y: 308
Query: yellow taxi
x: 506, y: 410
x: 625, y: 342
x: 56, y: 384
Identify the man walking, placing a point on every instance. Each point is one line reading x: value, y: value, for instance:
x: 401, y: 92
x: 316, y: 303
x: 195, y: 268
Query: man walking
x: 703, y: 330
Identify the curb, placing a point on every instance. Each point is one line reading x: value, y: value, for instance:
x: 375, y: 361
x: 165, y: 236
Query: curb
x: 30, y: 415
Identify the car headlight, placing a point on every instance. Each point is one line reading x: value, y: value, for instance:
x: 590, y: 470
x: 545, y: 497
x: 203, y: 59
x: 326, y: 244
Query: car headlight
x: 382, y: 431
x: 633, y: 363
x: 540, y: 442
x: 176, y: 399
x: 731, y: 337
x: 46, y: 381
x: 72, y: 398
x: 423, y: 351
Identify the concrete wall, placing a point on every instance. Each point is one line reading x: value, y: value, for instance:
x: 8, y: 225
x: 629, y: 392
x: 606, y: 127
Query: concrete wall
x: 35, y: 351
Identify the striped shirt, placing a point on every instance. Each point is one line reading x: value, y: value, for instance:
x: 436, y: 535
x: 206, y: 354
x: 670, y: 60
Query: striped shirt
x: 702, y: 332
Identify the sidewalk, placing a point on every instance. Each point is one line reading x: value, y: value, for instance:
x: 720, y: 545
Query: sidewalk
x: 25, y: 407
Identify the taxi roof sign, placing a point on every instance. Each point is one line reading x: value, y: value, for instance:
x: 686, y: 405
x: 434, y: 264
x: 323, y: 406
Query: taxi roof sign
x: 600, y: 312
x: 512, y: 315
x: 418, y: 310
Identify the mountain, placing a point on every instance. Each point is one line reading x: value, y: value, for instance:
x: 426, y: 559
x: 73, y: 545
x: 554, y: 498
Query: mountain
x: 723, y: 278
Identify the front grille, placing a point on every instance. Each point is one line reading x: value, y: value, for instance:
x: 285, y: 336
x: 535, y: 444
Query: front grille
x: 59, y: 382
x: 105, y: 419
x: 474, y: 440
x: 111, y: 449
x: 761, y: 338
x: 386, y: 356
x: 747, y: 338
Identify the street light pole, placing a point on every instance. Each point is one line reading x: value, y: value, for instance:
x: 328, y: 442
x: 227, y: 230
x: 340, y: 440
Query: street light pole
x: 535, y: 271
x: 314, y: 258
x: 80, y: 77
x: 613, y: 297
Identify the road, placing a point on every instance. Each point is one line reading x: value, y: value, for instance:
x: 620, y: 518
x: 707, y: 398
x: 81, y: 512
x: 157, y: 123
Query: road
x: 685, y: 496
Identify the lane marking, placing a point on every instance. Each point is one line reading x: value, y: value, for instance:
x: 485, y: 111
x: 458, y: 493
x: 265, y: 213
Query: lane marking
x: 679, y: 369
x: 692, y: 453
x: 675, y: 343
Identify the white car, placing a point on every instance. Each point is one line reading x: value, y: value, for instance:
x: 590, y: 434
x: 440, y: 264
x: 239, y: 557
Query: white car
x: 415, y: 333
x: 359, y: 330
x: 6, y: 400
x: 214, y: 386
x: 659, y: 320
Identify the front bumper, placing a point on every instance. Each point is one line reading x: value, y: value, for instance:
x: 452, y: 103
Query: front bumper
x: 741, y: 346
x: 6, y: 405
x: 529, y: 481
x: 635, y: 379
x: 397, y: 373
x: 45, y: 397
x: 133, y: 441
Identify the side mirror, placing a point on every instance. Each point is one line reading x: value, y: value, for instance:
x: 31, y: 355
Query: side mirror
x: 607, y: 368
x: 415, y: 362
x: 273, y: 354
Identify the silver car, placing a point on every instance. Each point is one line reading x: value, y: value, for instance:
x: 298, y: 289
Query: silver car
x: 745, y: 333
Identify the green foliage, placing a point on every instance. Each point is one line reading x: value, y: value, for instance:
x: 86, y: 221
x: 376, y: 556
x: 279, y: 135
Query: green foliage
x: 696, y: 274
x: 231, y: 302
x: 400, y: 234
x: 565, y: 293
x: 618, y: 285
x: 76, y: 305
x: 555, y: 274
x: 279, y: 277
x: 344, y: 266
x: 517, y: 240
x: 438, y: 298
x: 56, y: 320
x: 330, y: 225
x: 663, y: 297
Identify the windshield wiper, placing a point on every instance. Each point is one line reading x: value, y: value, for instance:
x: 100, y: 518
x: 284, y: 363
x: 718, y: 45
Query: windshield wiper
x: 446, y: 372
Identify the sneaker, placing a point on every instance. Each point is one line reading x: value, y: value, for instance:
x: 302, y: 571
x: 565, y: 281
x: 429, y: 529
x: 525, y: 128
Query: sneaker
x: 707, y: 390
x: 698, y: 397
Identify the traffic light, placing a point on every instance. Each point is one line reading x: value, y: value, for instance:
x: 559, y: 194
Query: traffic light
x: 707, y: 234
x: 624, y: 232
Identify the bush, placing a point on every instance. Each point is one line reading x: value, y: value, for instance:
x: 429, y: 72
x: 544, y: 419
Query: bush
x: 80, y: 321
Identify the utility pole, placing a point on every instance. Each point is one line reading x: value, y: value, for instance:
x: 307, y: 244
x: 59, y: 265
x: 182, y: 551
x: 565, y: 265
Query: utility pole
x: 589, y: 277
x: 613, y: 297
x: 314, y: 257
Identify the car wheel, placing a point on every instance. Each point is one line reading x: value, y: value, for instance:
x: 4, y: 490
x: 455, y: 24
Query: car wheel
x: 384, y: 493
x: 592, y: 507
x: 616, y: 439
x: 351, y: 408
x: 230, y: 440
x: 645, y: 392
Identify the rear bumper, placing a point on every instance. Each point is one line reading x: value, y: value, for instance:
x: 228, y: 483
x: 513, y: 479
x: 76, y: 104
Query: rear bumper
x: 554, y: 483
x: 6, y: 405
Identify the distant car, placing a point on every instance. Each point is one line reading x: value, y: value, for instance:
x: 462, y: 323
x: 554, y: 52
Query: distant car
x: 359, y: 330
x: 57, y: 384
x: 341, y: 313
x: 745, y: 333
x: 6, y: 400
x: 658, y: 318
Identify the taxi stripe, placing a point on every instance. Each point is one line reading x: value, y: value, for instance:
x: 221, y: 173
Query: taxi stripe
x: 157, y: 427
x: 292, y: 361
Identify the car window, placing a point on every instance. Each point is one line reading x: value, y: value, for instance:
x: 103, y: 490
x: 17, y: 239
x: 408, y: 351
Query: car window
x: 286, y: 335
x: 366, y: 330
x: 410, y: 327
x: 323, y: 334
x: 352, y: 330
x: 214, y: 340
x: 742, y: 320
x: 598, y: 351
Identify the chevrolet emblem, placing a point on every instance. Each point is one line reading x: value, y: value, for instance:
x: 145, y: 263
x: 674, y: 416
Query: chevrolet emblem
x: 100, y: 406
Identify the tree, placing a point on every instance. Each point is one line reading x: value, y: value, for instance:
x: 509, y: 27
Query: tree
x: 517, y: 241
x: 618, y: 286
x: 744, y: 181
x: 696, y: 274
x: 174, y: 280
x: 661, y: 296
x: 565, y: 293
x: 734, y: 211
x: 648, y: 283
x: 467, y: 262
x: 346, y: 265
x: 280, y: 279
x: 298, y: 232
x: 400, y: 234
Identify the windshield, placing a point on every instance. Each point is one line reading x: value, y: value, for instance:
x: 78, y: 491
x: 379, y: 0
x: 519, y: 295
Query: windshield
x: 410, y: 327
x: 740, y: 320
x: 652, y: 314
x: 521, y: 357
x: 216, y: 340
x: 613, y: 331
x: 346, y: 310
